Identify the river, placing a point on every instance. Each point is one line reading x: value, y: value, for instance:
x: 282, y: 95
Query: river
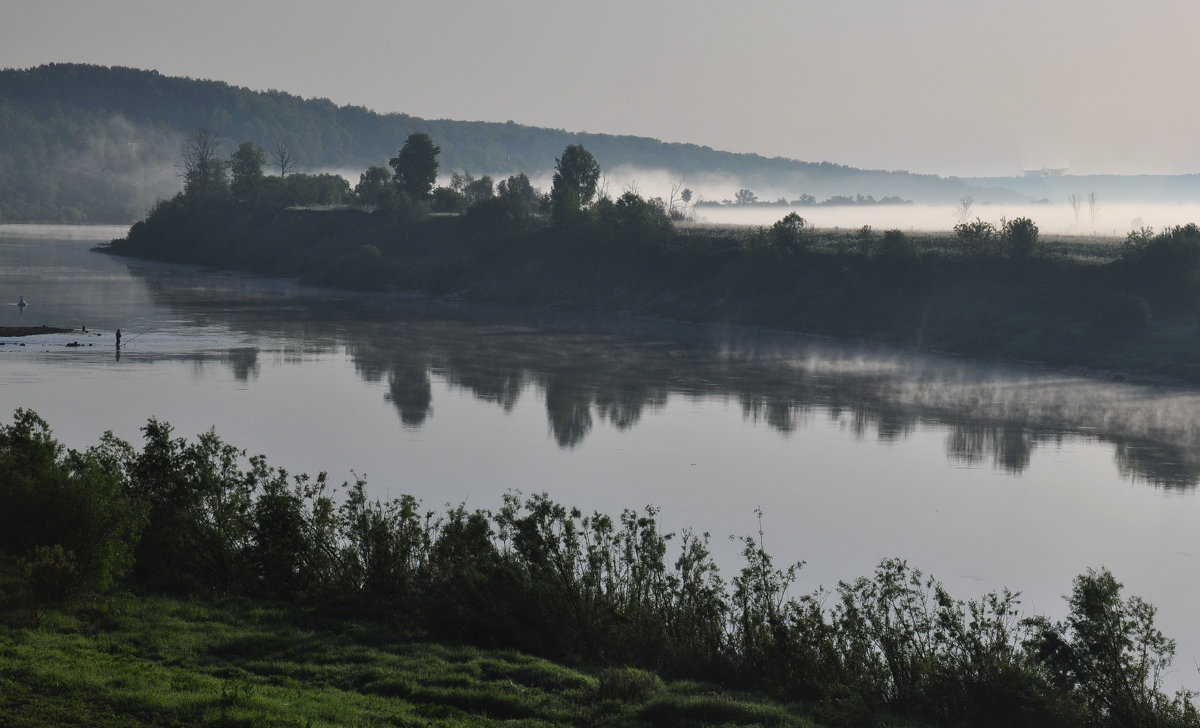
x: 983, y: 474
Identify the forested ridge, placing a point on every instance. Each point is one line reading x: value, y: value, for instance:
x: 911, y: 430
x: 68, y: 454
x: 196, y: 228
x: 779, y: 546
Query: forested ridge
x: 86, y: 143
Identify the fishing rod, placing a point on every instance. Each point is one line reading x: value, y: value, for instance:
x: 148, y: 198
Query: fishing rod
x: 134, y: 338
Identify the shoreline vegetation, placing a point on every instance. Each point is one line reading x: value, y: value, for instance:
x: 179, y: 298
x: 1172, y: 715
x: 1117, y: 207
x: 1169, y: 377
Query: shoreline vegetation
x: 186, y: 584
x: 999, y: 292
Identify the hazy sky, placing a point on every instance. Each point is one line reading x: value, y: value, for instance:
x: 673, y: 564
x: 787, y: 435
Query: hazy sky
x: 961, y: 87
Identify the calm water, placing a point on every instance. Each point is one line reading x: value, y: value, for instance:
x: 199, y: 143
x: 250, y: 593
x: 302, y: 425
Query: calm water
x: 983, y: 475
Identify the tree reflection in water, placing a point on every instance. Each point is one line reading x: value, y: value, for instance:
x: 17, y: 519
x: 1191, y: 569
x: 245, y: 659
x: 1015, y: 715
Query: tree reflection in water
x: 613, y: 370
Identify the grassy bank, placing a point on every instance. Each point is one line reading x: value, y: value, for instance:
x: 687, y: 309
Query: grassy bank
x: 126, y: 660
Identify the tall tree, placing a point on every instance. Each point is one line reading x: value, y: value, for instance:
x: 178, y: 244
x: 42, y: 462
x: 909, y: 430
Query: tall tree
x: 246, y: 166
x: 416, y: 166
x: 575, y: 178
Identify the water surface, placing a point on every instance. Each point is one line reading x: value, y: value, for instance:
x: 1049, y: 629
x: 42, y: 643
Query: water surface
x: 985, y: 475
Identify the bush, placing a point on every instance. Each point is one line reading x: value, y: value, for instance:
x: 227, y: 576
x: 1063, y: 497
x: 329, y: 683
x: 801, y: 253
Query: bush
x: 1110, y: 652
x: 977, y: 238
x: 788, y: 233
x: 51, y: 574
x: 446, y: 199
x: 73, y: 503
x: 1020, y: 237
x: 1167, y: 265
x: 895, y: 244
x: 633, y: 223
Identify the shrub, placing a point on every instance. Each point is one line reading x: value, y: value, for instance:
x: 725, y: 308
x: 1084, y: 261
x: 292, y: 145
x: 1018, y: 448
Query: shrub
x: 51, y: 573
x: 1167, y: 265
x: 446, y: 199
x: 895, y: 244
x: 788, y: 233
x: 977, y: 238
x: 1019, y: 236
x: 73, y: 502
x: 1110, y: 652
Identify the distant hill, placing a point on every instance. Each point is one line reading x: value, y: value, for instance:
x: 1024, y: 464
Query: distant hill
x: 91, y: 143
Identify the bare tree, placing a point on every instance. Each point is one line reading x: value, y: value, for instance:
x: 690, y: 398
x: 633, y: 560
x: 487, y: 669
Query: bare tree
x: 284, y: 158
x: 202, y: 170
x: 1075, y: 201
x: 963, y: 209
x: 1092, y: 209
x: 199, y: 151
x: 671, y: 203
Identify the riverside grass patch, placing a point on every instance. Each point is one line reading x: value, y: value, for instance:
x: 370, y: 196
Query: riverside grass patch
x: 150, y: 661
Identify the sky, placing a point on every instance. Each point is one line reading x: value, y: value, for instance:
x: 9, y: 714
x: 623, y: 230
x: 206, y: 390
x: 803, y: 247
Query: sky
x: 950, y: 87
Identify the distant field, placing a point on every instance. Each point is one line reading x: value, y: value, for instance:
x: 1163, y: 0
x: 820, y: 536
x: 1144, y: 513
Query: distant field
x: 1055, y: 218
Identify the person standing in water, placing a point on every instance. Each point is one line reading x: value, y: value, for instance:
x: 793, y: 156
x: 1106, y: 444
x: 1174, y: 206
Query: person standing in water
x: 118, y: 345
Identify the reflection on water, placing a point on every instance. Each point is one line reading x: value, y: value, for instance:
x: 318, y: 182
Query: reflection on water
x: 609, y: 371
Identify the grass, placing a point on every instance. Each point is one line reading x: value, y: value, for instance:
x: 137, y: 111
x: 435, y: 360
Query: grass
x: 152, y: 661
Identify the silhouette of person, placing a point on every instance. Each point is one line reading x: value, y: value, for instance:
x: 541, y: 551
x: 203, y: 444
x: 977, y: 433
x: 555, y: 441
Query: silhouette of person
x: 118, y: 345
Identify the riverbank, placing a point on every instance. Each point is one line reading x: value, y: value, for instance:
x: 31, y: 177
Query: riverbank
x: 1057, y: 305
x: 126, y: 660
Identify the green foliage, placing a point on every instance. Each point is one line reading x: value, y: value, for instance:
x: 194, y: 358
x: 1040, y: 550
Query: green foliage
x: 305, y: 190
x: 896, y: 245
x: 788, y: 233
x: 200, y: 511
x: 374, y: 187
x: 1109, y: 652
x: 519, y: 192
x: 70, y: 503
x: 473, y: 190
x: 1165, y: 267
x: 574, y: 184
x: 633, y: 223
x: 246, y: 165
x: 977, y: 238
x: 51, y: 575
x: 446, y: 199
x: 416, y: 166
x: 1019, y: 237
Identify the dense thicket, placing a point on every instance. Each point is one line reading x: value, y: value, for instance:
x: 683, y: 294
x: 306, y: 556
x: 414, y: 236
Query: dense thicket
x: 198, y: 517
